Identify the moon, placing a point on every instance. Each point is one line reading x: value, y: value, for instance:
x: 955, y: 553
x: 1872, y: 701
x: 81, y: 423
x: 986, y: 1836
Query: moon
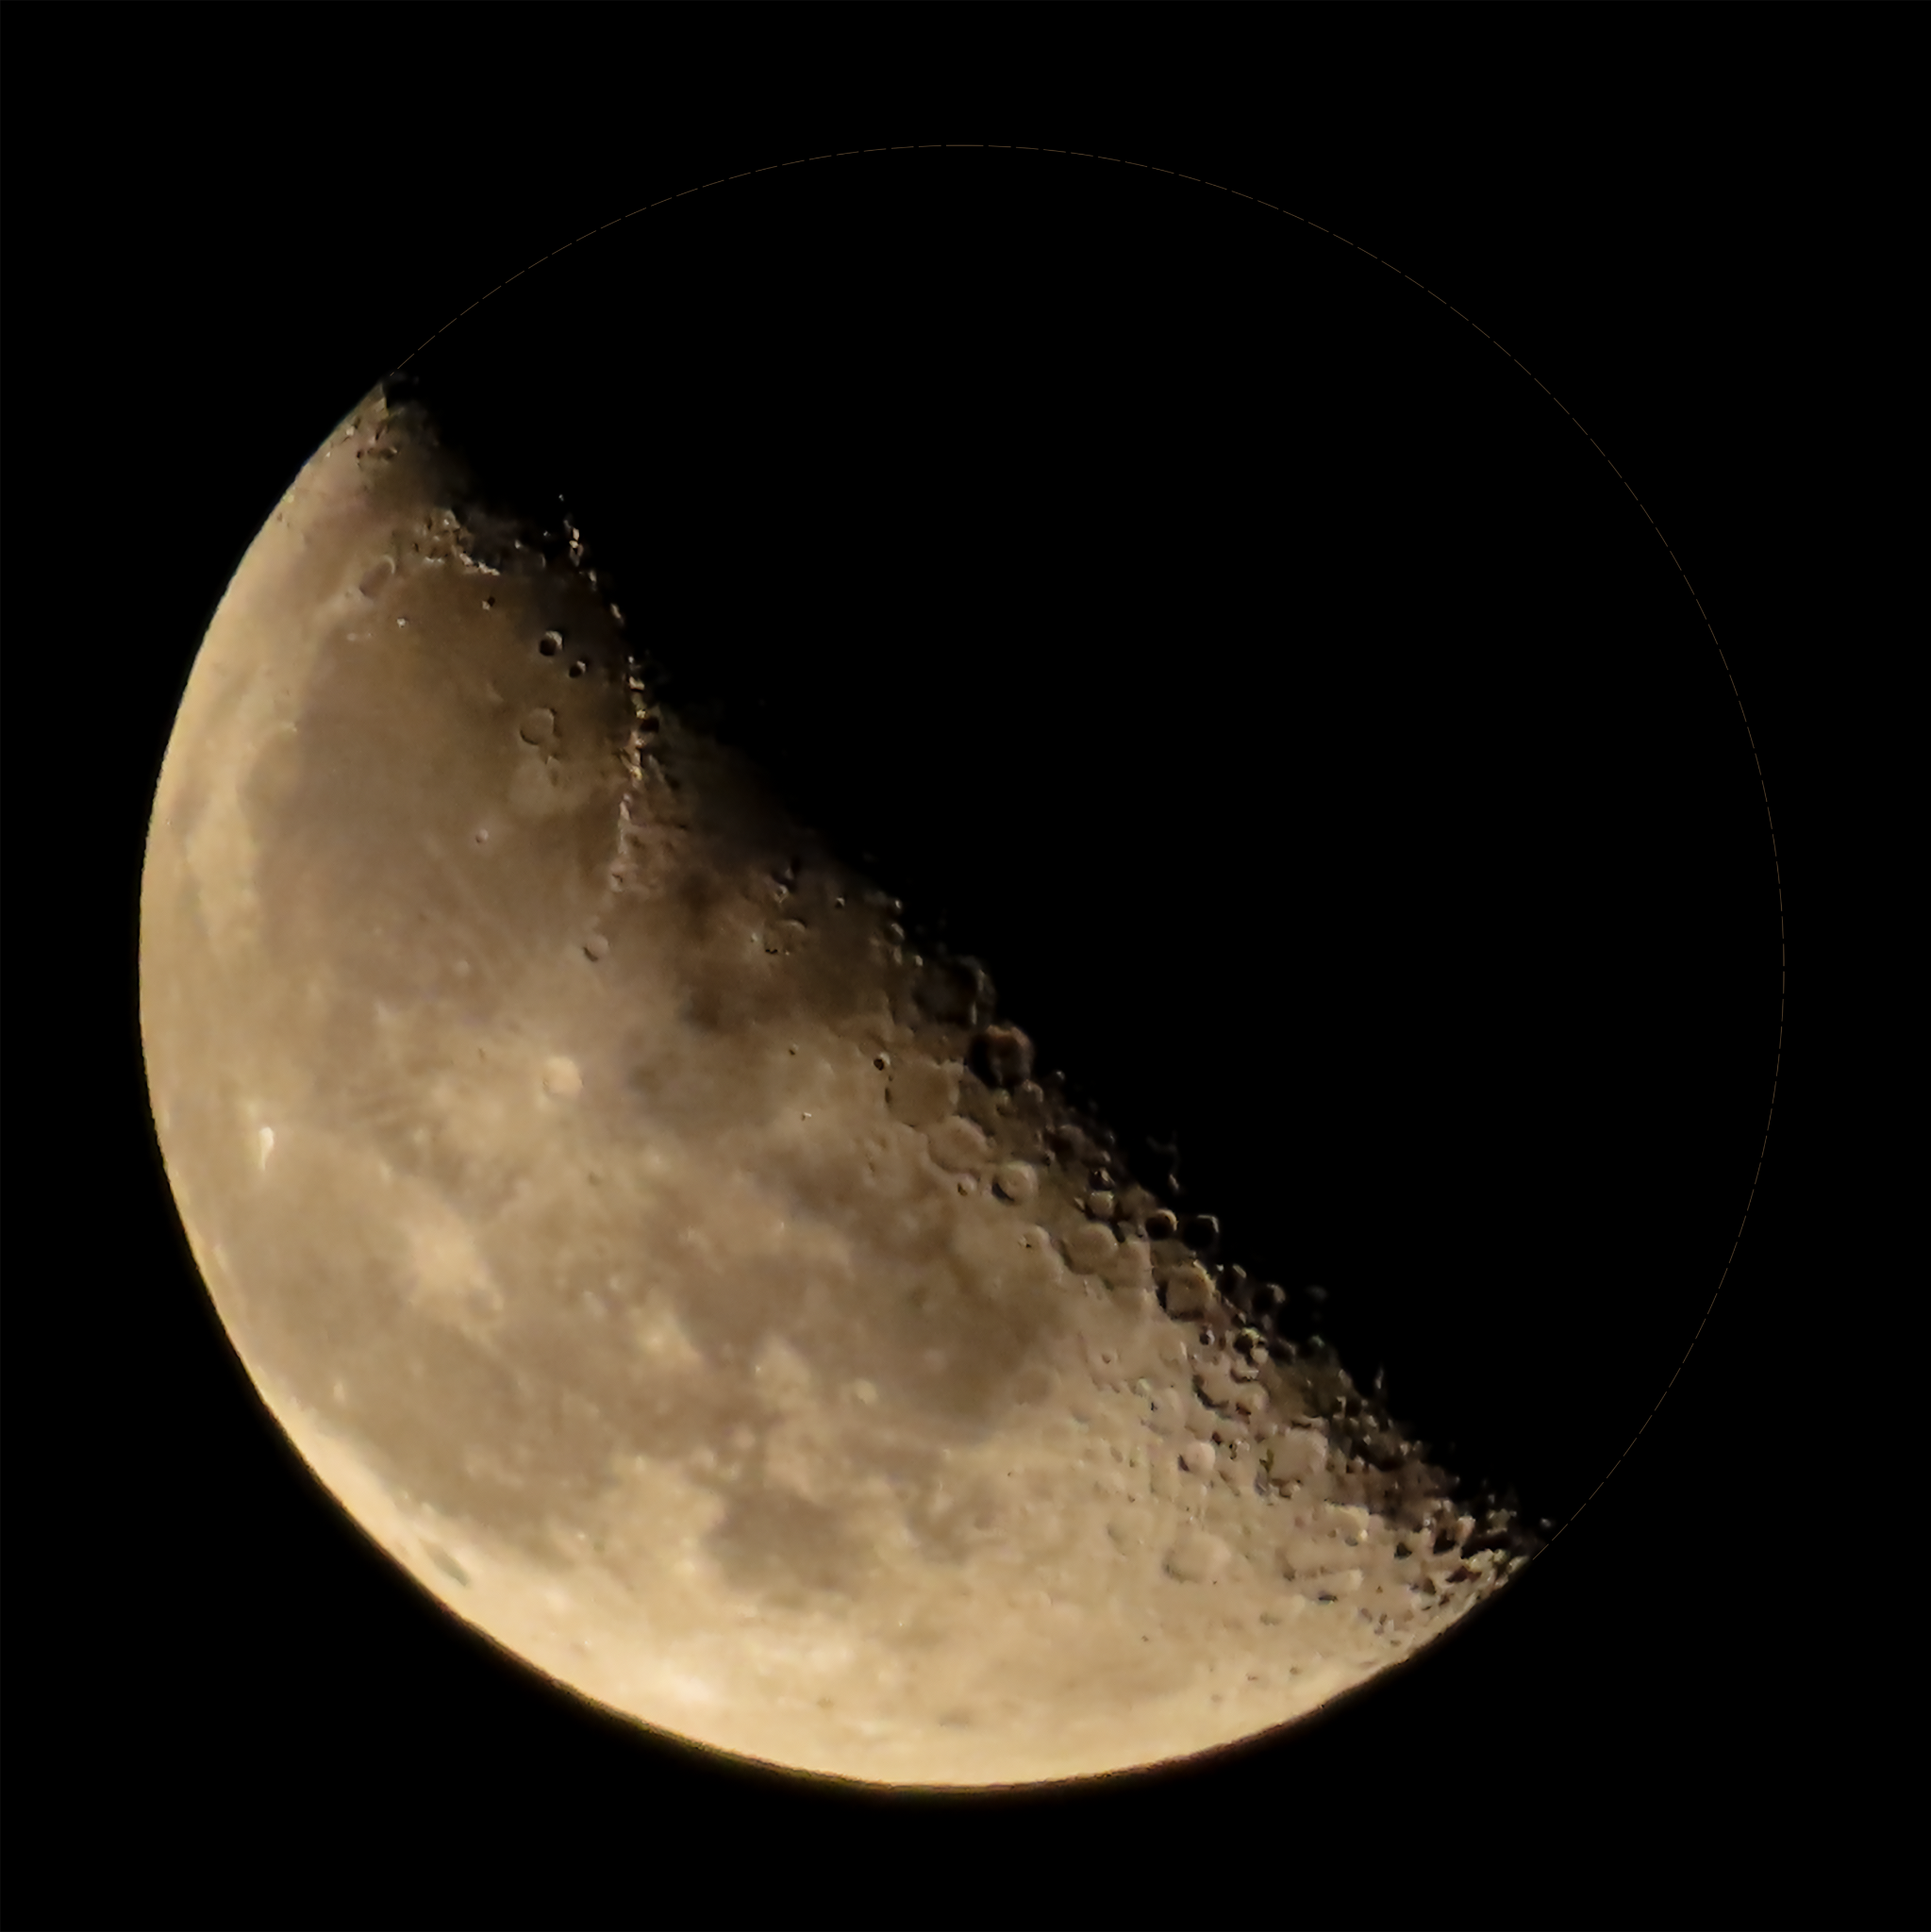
x: 691, y: 1287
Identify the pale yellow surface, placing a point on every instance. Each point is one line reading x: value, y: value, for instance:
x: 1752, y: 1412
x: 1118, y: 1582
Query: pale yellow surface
x: 638, y: 1262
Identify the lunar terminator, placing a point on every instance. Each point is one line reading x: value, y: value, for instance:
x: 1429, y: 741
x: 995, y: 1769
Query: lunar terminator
x: 690, y: 1286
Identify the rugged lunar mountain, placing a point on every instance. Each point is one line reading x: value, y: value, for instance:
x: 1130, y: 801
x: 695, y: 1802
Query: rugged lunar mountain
x: 684, y: 1280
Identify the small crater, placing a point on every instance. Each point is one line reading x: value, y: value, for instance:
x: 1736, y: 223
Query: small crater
x: 1002, y: 1056
x: 958, y: 1145
x: 1201, y: 1233
x: 1296, y: 1457
x: 1197, y: 1557
x: 953, y: 992
x: 446, y: 1563
x: 1188, y: 1291
x: 1016, y: 1182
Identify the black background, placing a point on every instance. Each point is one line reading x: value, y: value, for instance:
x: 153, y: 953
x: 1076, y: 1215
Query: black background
x: 1310, y: 733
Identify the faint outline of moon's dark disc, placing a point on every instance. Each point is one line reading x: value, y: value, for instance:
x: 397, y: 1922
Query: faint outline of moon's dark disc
x: 1369, y: 255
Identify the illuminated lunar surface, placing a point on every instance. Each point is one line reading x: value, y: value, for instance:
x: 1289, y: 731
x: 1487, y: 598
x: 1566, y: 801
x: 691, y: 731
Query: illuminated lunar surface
x: 684, y: 1282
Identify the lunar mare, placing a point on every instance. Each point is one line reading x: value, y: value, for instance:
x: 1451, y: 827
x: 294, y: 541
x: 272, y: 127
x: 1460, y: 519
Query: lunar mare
x: 685, y: 1282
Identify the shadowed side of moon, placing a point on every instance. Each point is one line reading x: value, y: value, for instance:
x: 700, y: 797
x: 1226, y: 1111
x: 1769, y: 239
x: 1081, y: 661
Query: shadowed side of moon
x: 683, y: 1279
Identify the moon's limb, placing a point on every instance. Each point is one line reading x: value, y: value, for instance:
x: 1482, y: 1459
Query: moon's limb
x: 603, y: 1203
